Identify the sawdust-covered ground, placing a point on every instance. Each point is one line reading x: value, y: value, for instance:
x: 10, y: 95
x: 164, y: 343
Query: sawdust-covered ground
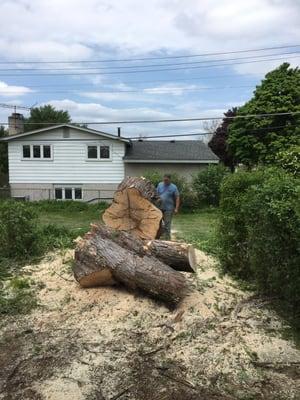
x: 108, y: 343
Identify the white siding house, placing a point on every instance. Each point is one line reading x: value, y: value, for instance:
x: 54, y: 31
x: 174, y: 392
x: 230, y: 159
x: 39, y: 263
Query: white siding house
x: 65, y: 162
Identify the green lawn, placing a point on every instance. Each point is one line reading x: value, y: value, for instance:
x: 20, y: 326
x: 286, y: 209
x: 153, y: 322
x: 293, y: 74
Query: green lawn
x: 197, y: 228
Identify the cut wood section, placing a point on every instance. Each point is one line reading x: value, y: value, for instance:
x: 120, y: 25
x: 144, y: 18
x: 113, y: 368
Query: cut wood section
x: 143, y: 185
x: 180, y: 256
x: 95, y: 253
x: 131, y: 212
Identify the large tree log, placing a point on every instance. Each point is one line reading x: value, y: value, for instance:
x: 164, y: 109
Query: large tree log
x: 179, y: 256
x: 99, y: 260
x: 132, y: 211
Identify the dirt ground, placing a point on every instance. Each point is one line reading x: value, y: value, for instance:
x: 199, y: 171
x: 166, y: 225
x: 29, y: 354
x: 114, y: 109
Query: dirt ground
x: 108, y: 344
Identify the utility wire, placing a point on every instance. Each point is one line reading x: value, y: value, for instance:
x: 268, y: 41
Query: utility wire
x: 265, y: 115
x: 150, y: 65
x: 150, y: 70
x: 144, y: 138
x: 150, y: 58
x: 143, y: 81
x: 142, y: 91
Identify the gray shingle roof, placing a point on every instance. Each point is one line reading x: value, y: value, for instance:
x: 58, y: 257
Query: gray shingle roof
x: 179, y: 150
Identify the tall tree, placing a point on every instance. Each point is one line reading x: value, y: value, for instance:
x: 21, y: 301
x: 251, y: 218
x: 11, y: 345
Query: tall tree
x: 40, y: 116
x: 218, y: 142
x: 258, y: 140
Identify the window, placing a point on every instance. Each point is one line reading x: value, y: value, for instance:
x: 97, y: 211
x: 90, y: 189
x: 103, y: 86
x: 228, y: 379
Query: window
x: 92, y: 152
x: 37, y: 151
x: 26, y: 151
x: 98, y: 152
x: 68, y: 193
x: 78, y: 193
x: 104, y: 152
x: 47, y: 151
x: 58, y: 194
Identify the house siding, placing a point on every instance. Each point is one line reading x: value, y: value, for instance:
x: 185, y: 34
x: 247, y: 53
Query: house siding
x: 185, y: 170
x: 36, y: 179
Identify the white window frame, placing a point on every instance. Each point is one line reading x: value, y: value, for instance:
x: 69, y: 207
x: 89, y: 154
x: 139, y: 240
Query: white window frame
x: 42, y: 158
x: 98, y: 152
x: 63, y: 189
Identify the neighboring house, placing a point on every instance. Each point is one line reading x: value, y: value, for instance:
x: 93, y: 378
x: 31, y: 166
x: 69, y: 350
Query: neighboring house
x: 70, y: 162
x: 184, y: 157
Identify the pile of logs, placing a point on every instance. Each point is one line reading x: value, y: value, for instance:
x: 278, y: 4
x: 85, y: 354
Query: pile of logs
x: 126, y: 248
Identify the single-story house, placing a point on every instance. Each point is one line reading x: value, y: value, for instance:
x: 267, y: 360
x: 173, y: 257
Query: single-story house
x: 71, y: 162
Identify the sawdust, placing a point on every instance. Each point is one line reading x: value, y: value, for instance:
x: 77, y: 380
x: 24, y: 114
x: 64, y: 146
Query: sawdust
x: 99, y: 343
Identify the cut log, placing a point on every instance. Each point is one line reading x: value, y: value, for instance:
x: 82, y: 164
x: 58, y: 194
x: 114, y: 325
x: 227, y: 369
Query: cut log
x: 132, y: 211
x: 179, y: 256
x: 95, y: 256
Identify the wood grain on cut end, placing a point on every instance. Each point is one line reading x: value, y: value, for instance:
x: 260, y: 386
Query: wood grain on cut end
x: 131, y: 212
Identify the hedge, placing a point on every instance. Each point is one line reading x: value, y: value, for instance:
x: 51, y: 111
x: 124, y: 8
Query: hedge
x: 259, y: 233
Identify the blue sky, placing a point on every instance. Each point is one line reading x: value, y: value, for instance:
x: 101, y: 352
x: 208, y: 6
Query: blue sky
x: 68, y: 31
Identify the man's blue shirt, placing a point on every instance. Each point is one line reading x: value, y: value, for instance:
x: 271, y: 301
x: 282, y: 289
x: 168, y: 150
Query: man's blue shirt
x: 168, y: 195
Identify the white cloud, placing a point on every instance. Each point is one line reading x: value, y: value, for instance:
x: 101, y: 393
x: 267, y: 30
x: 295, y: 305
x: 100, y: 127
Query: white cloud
x: 76, y: 29
x: 13, y: 91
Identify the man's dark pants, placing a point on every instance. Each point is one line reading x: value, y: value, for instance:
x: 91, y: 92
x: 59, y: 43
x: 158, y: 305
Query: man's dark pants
x: 167, y: 218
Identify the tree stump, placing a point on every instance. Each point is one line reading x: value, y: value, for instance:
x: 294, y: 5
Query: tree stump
x: 132, y: 211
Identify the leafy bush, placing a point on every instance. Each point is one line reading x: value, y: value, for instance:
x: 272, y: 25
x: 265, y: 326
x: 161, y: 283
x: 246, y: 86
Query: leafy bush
x: 207, y: 184
x: 68, y: 206
x: 289, y: 159
x: 187, y: 196
x: 18, y: 229
x: 56, y: 237
x: 260, y: 231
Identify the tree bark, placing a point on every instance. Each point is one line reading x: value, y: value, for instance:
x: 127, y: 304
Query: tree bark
x: 132, y: 211
x: 179, y: 256
x: 97, y: 256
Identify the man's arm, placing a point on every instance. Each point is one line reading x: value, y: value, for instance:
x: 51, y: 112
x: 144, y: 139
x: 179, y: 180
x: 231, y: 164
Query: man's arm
x: 177, y: 204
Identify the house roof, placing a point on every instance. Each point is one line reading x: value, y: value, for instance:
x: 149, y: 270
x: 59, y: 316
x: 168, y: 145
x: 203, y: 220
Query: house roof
x: 191, y: 151
x: 50, y: 128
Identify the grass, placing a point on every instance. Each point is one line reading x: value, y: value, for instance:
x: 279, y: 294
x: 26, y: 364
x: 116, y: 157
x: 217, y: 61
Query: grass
x: 71, y: 215
x: 198, y: 228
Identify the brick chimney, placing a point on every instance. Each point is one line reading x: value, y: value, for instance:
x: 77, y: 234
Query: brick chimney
x: 15, y: 124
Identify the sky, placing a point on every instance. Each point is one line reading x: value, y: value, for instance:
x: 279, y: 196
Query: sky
x: 69, y: 40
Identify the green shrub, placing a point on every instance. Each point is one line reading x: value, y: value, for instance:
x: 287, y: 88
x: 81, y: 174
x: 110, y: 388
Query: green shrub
x: 56, y: 237
x: 67, y: 206
x: 289, y: 159
x: 18, y: 229
x: 259, y: 232
x: 207, y: 184
x: 187, y: 196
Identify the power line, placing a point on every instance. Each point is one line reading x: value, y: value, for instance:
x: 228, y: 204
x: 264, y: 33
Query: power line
x: 166, y: 120
x: 145, y: 81
x: 143, y: 91
x: 151, y: 58
x: 150, y: 65
x: 149, y: 70
x: 150, y: 137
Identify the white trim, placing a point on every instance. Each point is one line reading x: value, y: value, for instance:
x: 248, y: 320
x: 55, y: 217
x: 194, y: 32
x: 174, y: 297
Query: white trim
x: 173, y: 161
x: 98, y: 152
x: 63, y: 189
x: 49, y: 128
x: 42, y: 158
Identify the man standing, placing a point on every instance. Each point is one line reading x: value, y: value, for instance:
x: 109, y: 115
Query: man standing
x: 169, y: 203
